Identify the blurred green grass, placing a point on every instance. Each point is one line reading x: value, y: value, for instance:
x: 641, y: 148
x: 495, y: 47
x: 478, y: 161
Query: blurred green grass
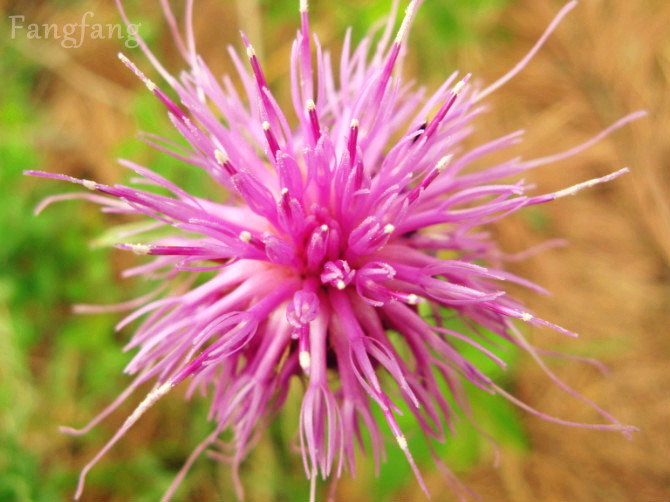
x: 56, y: 367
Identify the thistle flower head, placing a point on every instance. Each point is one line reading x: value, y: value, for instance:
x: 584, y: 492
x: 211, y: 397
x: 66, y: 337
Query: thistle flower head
x: 340, y: 219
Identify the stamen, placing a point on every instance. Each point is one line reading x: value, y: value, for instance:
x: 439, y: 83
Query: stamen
x: 154, y: 89
x: 255, y: 65
x: 353, y: 138
x: 407, y: 21
x: 285, y: 202
x: 306, y: 71
x: 224, y: 161
x: 337, y: 273
x: 313, y: 119
x: 435, y: 123
x: 150, y: 85
x: 432, y: 175
x: 272, y: 140
x: 147, y: 403
x: 317, y: 247
x: 576, y: 188
x: 443, y: 163
x: 395, y: 49
x: 221, y: 157
x: 588, y: 184
x: 458, y: 87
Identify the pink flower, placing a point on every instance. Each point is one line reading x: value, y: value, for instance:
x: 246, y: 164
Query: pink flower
x: 331, y: 236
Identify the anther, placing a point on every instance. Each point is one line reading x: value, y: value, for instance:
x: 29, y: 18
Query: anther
x: 402, y: 442
x: 443, y: 163
x: 305, y: 360
x: 313, y: 119
x: 353, y: 138
x: 221, y: 157
x: 272, y: 140
x: 91, y: 185
x: 224, y: 161
x: 458, y: 87
x: 150, y: 85
x: 139, y: 249
x: 406, y: 22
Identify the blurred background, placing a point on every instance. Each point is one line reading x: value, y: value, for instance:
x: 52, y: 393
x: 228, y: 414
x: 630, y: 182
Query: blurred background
x: 74, y: 110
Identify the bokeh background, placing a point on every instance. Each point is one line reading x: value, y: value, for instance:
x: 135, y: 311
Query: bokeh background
x: 75, y: 110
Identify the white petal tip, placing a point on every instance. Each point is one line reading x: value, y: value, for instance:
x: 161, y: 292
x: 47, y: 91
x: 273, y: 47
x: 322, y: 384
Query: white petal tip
x: 402, y: 442
x: 458, y: 88
x: 221, y: 157
x: 443, y: 163
x: 305, y: 360
x: 139, y: 249
x: 91, y: 185
x: 148, y: 402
